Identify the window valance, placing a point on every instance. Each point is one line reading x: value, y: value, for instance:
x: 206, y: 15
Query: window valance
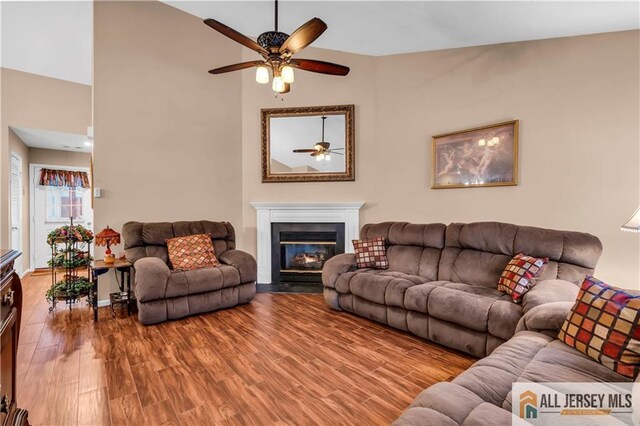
x: 68, y: 178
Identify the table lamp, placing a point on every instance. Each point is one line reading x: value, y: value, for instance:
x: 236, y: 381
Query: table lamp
x: 633, y: 224
x: 107, y: 237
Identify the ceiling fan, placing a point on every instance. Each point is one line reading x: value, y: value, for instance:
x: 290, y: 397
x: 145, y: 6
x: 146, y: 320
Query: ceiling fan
x: 321, y: 149
x: 277, y: 50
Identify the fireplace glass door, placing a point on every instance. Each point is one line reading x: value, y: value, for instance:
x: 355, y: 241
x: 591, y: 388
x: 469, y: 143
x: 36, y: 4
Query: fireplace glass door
x: 301, y: 250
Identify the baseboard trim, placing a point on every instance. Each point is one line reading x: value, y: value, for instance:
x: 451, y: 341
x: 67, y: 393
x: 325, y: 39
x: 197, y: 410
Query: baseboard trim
x: 25, y: 273
x: 103, y: 303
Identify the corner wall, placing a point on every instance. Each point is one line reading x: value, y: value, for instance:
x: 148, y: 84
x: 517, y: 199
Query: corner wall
x: 578, y: 106
x: 167, y: 134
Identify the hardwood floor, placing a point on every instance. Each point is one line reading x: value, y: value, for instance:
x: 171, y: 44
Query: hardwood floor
x: 283, y: 359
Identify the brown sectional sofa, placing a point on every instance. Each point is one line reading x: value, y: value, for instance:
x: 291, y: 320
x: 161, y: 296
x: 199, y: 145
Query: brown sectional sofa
x: 163, y: 294
x: 482, y: 394
x: 441, y: 283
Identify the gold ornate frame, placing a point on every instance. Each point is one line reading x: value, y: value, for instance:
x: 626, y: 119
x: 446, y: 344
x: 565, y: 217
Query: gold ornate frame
x: 347, y: 175
x: 513, y: 182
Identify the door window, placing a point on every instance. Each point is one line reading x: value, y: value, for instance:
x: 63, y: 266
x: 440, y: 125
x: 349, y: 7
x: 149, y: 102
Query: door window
x: 63, y: 203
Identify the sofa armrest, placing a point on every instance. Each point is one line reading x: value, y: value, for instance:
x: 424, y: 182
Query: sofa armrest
x: 546, y: 318
x: 549, y: 291
x: 337, y: 266
x: 152, y: 275
x: 243, y: 262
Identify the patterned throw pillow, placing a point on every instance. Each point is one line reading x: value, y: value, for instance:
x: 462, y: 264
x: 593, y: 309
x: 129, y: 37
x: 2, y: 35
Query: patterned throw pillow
x: 518, y: 276
x: 191, y: 252
x: 603, y: 324
x: 371, y: 253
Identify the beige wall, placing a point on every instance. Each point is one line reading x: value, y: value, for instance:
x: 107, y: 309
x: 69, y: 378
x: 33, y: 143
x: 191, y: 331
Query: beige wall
x: 167, y: 133
x: 59, y: 158
x: 34, y: 101
x: 578, y: 106
x: 172, y: 142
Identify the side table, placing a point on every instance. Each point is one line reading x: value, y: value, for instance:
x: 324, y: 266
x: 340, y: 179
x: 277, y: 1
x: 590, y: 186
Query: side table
x: 98, y: 267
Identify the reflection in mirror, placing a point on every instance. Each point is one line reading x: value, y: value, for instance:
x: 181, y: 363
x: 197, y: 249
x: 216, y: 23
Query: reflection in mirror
x: 308, y: 144
x: 298, y: 145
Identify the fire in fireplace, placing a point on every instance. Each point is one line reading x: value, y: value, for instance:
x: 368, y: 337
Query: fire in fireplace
x: 300, y: 250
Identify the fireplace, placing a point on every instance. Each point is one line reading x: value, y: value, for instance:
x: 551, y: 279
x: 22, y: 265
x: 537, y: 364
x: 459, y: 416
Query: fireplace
x: 300, y: 250
x: 345, y: 215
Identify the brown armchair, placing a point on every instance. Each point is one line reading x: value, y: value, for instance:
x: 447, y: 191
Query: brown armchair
x: 163, y: 294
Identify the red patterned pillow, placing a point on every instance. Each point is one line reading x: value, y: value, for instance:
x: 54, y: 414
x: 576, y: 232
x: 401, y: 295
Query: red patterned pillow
x: 603, y: 324
x: 371, y: 253
x: 518, y: 276
x: 192, y: 252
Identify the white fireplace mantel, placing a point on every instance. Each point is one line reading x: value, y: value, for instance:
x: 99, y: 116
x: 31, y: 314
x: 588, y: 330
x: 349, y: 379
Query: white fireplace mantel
x: 268, y: 213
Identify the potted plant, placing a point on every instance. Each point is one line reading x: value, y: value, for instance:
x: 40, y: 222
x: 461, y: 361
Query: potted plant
x: 70, y: 246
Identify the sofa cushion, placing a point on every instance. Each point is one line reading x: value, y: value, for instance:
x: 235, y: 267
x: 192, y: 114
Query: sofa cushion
x: 603, y: 324
x: 417, y: 416
x: 518, y: 276
x: 149, y: 239
x: 476, y: 253
x: 183, y: 283
x: 557, y: 362
x: 450, y: 399
x: 488, y: 414
x: 371, y: 253
x: 382, y: 287
x: 416, y: 297
x: 471, y: 306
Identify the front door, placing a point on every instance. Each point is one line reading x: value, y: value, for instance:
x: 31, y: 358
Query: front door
x: 53, y: 206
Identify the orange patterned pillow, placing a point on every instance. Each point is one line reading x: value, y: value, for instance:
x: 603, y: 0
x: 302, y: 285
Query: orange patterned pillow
x: 192, y: 252
x: 604, y: 324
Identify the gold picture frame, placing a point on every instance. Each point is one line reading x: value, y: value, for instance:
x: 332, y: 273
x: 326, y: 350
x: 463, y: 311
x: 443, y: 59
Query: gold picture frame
x: 478, y: 157
x: 345, y: 155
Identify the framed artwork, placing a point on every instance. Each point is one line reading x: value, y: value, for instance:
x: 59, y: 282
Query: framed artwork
x: 483, y: 156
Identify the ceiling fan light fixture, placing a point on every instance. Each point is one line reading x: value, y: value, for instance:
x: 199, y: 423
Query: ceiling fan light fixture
x: 287, y: 74
x: 262, y: 75
x: 327, y: 157
x: 278, y: 85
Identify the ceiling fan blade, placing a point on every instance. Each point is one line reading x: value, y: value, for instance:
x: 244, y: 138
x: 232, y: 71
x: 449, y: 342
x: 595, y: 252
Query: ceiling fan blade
x: 337, y: 153
x: 236, y: 67
x: 304, y: 150
x: 319, y: 66
x: 236, y: 36
x: 337, y: 149
x: 303, y: 36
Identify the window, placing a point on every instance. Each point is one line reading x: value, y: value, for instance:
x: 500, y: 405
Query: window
x: 63, y: 203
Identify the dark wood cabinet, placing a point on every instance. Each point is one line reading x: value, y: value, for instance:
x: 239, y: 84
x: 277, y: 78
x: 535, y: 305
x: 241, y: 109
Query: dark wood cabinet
x: 10, y: 317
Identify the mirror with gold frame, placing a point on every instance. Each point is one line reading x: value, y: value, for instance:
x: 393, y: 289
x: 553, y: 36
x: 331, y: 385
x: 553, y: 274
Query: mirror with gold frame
x: 308, y: 144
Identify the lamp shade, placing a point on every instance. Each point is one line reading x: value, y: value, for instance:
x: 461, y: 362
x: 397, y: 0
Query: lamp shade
x: 633, y: 224
x: 287, y: 74
x: 107, y: 237
x: 262, y: 75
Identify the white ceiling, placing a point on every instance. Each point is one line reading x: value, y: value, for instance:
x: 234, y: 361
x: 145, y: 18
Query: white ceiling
x: 48, y: 139
x: 390, y: 27
x: 50, y: 38
x: 55, y: 38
